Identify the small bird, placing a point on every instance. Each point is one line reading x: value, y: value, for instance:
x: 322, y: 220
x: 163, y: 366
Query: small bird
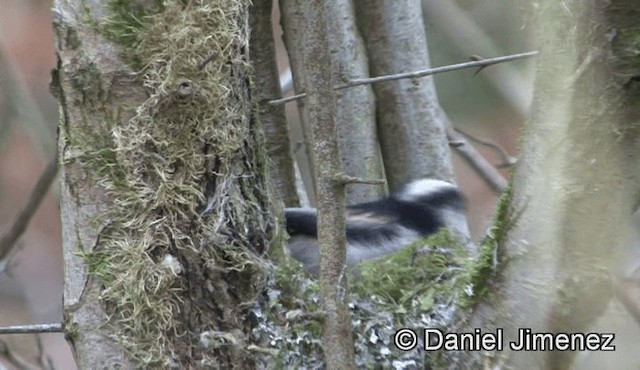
x: 373, y: 229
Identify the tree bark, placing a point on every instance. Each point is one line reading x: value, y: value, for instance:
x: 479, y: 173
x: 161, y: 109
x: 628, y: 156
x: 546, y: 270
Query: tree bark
x: 355, y: 107
x: 82, y: 201
x: 411, y: 123
x: 576, y: 183
x: 272, y: 117
x: 355, y: 114
x: 164, y: 197
x: 337, y: 337
x: 293, y: 29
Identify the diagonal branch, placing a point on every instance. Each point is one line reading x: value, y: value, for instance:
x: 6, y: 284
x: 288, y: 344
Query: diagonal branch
x: 491, y: 175
x: 9, y: 237
x: 12, y: 358
x: 416, y: 74
x: 507, y: 160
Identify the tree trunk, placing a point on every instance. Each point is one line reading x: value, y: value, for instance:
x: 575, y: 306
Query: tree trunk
x: 355, y: 107
x: 576, y: 183
x: 273, y: 118
x: 164, y: 202
x: 411, y: 123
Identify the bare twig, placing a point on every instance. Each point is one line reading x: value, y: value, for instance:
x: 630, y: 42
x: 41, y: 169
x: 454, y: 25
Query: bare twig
x: 13, y: 359
x: 348, y: 180
x: 507, y: 160
x: 33, y: 328
x: 9, y: 237
x: 300, y: 315
x: 466, y: 34
x: 44, y: 359
x: 474, y: 58
x: 416, y: 74
x: 495, y: 180
x: 268, y: 351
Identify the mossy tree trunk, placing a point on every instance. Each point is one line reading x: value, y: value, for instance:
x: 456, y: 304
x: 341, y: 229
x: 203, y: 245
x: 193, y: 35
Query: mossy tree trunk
x: 576, y: 184
x: 164, y: 198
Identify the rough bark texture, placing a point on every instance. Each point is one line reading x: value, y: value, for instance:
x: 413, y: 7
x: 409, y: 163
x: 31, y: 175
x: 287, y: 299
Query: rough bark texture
x: 164, y: 204
x: 337, y: 337
x: 83, y: 91
x: 576, y: 182
x: 273, y: 118
x: 411, y: 125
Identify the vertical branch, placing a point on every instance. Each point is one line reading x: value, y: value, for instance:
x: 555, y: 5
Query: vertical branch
x: 355, y: 107
x: 263, y: 56
x: 338, y: 342
x: 9, y: 237
x: 411, y: 123
x: 293, y: 29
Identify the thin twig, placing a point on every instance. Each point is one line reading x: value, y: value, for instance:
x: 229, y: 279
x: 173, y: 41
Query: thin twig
x: 13, y: 359
x: 268, y: 351
x: 495, y: 180
x: 425, y: 72
x: 507, y: 160
x: 11, y: 235
x: 348, y: 180
x: 33, y: 328
x: 44, y: 359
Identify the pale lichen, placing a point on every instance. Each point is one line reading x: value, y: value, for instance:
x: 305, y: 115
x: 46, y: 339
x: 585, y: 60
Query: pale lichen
x: 185, y: 176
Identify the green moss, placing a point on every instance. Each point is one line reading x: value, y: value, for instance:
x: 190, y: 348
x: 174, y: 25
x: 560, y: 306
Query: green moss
x: 98, y: 264
x: 483, y: 269
x: 71, y: 330
x: 417, y: 277
x: 501, y: 222
x: 127, y: 20
x: 191, y: 144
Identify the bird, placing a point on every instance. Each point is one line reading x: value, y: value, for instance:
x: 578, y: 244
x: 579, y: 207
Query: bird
x: 373, y: 229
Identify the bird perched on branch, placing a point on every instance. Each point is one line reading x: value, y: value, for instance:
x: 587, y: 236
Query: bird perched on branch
x: 373, y: 229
